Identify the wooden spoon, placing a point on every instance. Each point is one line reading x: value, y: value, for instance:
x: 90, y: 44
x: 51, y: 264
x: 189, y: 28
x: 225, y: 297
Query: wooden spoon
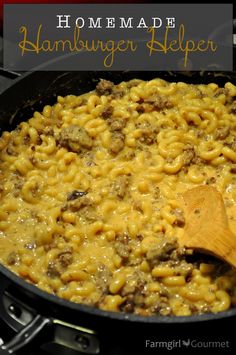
x: 206, y: 226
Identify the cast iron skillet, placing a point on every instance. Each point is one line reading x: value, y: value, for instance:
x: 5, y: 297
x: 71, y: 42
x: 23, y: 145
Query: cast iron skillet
x: 93, y: 331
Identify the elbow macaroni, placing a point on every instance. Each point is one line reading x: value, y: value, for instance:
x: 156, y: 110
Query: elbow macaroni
x: 92, y: 217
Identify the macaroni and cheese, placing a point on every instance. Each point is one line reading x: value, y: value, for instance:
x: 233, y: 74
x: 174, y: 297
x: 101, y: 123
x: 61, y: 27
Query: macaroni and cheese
x: 90, y: 191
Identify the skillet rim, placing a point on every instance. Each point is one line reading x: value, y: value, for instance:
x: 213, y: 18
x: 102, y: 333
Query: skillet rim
x: 119, y: 316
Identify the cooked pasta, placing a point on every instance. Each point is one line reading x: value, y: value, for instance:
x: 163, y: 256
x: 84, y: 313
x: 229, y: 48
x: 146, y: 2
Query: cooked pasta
x: 90, y: 196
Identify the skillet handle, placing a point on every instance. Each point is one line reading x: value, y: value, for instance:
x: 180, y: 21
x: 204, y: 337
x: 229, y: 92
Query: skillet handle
x: 34, y: 334
x: 11, y: 74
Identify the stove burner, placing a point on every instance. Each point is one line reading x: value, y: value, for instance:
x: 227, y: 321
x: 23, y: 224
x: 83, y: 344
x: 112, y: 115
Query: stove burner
x: 52, y: 336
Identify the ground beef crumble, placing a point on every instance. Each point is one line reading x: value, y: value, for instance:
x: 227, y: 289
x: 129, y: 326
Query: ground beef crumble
x: 117, y: 142
x: 75, y: 138
x: 104, y: 87
x: 120, y: 186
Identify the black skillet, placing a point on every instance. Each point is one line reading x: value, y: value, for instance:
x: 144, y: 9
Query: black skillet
x: 38, y: 317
